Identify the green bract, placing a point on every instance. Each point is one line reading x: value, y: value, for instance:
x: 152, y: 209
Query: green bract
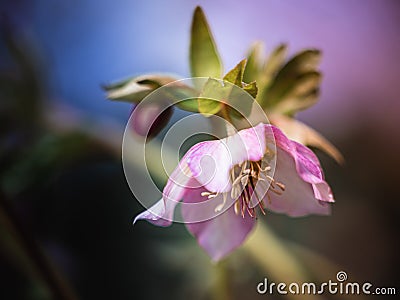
x: 204, y: 57
x: 227, y: 94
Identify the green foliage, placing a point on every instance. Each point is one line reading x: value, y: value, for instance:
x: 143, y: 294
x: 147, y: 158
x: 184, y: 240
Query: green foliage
x: 228, y: 94
x: 204, y: 57
x: 133, y: 90
x: 285, y: 88
x: 254, y: 62
x: 211, y: 98
x: 235, y: 75
x: 273, y: 63
x: 251, y: 88
x: 238, y: 107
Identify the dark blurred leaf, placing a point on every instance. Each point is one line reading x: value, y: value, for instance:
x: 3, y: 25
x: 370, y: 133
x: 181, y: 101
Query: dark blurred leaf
x: 20, y: 82
x: 304, y: 84
x: 305, y: 61
x: 274, y: 61
x: 302, y: 94
x: 291, y: 106
x: 39, y: 163
x: 287, y: 77
x: 204, y: 57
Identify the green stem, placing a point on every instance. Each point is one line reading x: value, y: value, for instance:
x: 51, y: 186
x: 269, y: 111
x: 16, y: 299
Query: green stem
x: 221, y: 285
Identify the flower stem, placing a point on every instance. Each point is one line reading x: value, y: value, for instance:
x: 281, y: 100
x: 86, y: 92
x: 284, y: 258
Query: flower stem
x: 221, y: 286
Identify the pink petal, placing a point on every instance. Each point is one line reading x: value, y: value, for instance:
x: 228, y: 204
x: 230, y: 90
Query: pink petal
x: 154, y: 214
x: 220, y: 235
x: 210, y: 162
x: 162, y: 212
x: 298, y: 198
x: 306, y: 191
x: 307, y: 165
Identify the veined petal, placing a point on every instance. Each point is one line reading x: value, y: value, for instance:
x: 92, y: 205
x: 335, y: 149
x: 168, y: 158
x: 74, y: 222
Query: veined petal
x: 220, y: 235
x: 309, y: 169
x: 306, y: 191
x: 253, y: 140
x: 302, y: 133
x: 210, y: 162
x: 298, y: 199
x: 306, y: 164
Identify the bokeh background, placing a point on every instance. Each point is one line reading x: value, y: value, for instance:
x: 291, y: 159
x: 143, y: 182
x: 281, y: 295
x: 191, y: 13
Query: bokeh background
x: 65, y: 201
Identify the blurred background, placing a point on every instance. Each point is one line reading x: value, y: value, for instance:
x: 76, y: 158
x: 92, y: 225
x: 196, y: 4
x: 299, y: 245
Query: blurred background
x: 66, y: 210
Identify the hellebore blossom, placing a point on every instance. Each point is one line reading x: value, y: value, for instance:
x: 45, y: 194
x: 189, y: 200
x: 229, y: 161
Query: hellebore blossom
x: 224, y: 183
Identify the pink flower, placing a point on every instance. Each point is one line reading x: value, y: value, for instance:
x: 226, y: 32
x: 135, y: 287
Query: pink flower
x: 223, y: 183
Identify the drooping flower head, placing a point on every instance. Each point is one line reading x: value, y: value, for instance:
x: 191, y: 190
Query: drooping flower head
x: 223, y: 184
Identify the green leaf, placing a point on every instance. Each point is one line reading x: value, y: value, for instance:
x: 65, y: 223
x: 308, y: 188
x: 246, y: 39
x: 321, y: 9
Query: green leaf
x: 191, y: 105
x: 237, y: 104
x: 251, y: 88
x: 254, y: 62
x: 304, y: 62
x: 212, y: 97
x: 204, y: 57
x: 115, y: 85
x: 304, y: 84
x: 275, y: 60
x: 300, y: 95
x: 235, y: 75
x: 182, y: 95
x: 240, y: 103
x: 209, y: 107
x: 291, y: 105
x: 133, y: 90
x: 271, y: 66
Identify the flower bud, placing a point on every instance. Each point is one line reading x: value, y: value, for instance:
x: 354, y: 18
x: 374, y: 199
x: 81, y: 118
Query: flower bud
x: 147, y: 120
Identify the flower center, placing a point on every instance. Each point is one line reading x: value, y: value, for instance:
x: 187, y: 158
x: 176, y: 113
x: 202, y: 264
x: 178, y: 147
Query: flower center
x: 250, y: 185
x: 246, y: 179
